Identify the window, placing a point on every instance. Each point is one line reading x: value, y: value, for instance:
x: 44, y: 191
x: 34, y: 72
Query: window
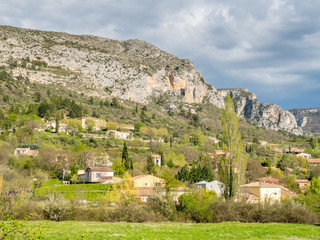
x: 146, y: 184
x: 158, y: 184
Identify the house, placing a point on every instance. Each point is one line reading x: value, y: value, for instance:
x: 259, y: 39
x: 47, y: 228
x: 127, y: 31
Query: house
x: 314, y: 161
x: 175, y: 193
x: 304, y: 155
x: 269, y: 180
x: 147, y: 181
x: 213, y: 140
x: 215, y: 186
x: 118, y: 134
x: 51, y: 125
x: 145, y: 186
x: 26, y: 152
x: 304, y: 184
x: 292, y: 150
x: 263, y: 143
x: 218, y: 153
x: 98, y: 174
x: 126, y: 127
x: 156, y: 160
x: 99, y: 124
x: 260, y: 192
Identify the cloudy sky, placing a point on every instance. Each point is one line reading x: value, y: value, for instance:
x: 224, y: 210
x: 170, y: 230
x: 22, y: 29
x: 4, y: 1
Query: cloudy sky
x: 271, y: 47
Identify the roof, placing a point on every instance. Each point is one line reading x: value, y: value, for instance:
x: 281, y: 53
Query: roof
x: 219, y: 152
x: 32, y: 153
x: 269, y: 180
x: 142, y: 176
x: 156, y: 156
x: 180, y: 189
x: 302, y: 181
x: 314, y: 160
x: 262, y: 184
x: 100, y: 169
x: 22, y: 149
x: 202, y: 182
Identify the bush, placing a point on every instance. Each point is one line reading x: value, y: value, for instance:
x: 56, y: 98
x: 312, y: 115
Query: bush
x: 56, y: 208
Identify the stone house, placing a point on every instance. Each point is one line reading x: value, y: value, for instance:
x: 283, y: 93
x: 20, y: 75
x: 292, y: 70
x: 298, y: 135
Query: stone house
x: 261, y: 192
x: 98, y: 174
x: 215, y: 186
x: 314, y: 161
x: 26, y: 152
x: 51, y: 125
x: 303, y: 184
x: 146, y: 181
x: 145, y: 186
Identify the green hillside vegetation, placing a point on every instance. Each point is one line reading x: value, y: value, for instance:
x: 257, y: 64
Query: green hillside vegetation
x: 181, y: 133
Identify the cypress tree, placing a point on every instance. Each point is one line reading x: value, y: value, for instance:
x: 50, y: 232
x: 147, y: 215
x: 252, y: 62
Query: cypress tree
x: 57, y: 124
x: 162, y: 159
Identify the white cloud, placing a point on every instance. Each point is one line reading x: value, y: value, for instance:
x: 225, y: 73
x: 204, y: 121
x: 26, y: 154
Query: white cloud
x: 264, y: 44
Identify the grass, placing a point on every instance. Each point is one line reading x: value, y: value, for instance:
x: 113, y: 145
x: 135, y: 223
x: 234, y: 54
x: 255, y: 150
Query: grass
x: 226, y: 230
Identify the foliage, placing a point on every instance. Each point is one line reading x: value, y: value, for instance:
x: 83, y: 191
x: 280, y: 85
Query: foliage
x: 11, y: 229
x: 232, y: 166
x: 126, y: 161
x: 150, y: 167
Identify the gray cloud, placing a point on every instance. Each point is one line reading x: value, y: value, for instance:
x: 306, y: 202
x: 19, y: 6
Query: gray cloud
x: 270, y: 47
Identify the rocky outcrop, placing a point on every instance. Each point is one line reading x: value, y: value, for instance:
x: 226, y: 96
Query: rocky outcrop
x: 308, y: 119
x: 131, y: 70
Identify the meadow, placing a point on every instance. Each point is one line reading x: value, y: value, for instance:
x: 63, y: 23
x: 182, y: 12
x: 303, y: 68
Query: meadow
x: 226, y: 230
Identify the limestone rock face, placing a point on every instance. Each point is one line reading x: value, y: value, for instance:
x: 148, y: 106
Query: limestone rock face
x: 308, y: 119
x: 130, y: 70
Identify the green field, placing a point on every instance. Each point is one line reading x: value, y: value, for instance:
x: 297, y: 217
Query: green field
x: 226, y: 230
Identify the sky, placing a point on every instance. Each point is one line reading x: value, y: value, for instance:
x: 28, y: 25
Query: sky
x: 270, y: 47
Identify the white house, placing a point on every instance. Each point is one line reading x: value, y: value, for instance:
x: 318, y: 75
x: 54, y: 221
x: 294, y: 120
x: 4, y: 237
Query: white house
x: 98, y: 174
x: 156, y: 160
x: 304, y: 155
x: 25, y: 151
x: 51, y: 125
x: 215, y: 186
x: 119, y: 134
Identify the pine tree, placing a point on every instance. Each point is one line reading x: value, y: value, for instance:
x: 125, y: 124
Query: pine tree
x: 126, y: 161
x: 231, y: 167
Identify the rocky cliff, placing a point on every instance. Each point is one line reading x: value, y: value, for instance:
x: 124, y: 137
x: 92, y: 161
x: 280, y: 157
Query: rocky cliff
x: 308, y: 119
x: 133, y: 70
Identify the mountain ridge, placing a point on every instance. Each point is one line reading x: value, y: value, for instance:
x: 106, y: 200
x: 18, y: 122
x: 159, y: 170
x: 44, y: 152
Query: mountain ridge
x: 130, y: 70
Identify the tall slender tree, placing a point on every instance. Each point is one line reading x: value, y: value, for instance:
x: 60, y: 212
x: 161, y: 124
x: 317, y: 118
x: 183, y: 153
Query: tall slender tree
x: 233, y: 165
x: 125, y: 157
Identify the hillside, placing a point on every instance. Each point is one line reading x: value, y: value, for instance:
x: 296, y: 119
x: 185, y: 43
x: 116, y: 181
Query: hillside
x: 129, y: 70
x: 308, y: 119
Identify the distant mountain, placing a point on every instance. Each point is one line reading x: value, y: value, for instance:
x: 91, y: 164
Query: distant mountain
x: 131, y: 70
x: 308, y: 119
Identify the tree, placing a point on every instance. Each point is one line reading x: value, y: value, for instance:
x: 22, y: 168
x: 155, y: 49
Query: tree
x: 232, y: 166
x: 150, y: 167
x: 57, y: 123
x: 315, y: 185
x: 125, y: 157
x: 112, y: 125
x: 314, y: 143
x: 162, y: 158
x: 90, y: 124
